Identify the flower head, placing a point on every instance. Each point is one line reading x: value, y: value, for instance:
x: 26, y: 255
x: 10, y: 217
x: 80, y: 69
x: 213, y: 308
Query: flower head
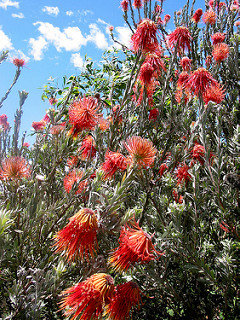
x: 15, y: 168
x: 186, y: 63
x: 26, y: 144
x: 142, y: 152
x: 19, y: 62
x: 214, y: 93
x: 58, y: 128
x: 167, y: 18
x: 163, y: 168
x: 197, y: 15
x: 38, y: 125
x: 126, y: 297
x: 180, y: 38
x: 218, y: 37
x: 182, y: 79
x: 146, y: 73
x: 153, y: 114
x: 200, y: 80
x: 72, y: 178
x: 220, y: 52
x: 83, y: 113
x: 135, y: 246
x: 52, y: 101
x: 124, y: 5
x: 86, y: 299
x: 182, y: 173
x: 79, y: 238
x: 137, y: 4
x: 209, y: 17
x: 145, y: 37
x: 113, y: 161
x: 154, y: 59
x: 87, y: 149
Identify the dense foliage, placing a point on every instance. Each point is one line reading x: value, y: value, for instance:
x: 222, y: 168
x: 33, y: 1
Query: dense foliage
x: 133, y: 178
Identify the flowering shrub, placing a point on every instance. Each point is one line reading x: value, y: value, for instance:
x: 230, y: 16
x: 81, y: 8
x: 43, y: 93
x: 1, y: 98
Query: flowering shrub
x: 127, y: 204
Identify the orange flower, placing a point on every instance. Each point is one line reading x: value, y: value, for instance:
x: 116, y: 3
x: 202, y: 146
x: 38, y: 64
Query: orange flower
x: 87, y: 149
x: 103, y: 124
x: 113, y: 161
x: 135, y: 246
x: 85, y: 301
x: 209, y: 17
x: 79, y: 238
x: 126, y: 297
x: 83, y: 114
x: 142, y: 151
x: 181, y: 38
x: 74, y: 177
x: 15, y: 168
x: 145, y: 37
x: 220, y: 52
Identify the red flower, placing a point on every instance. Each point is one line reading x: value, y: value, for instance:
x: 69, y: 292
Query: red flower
x: 142, y: 151
x: 214, y: 93
x: 26, y: 144
x: 198, y: 153
x: 208, y: 61
x: 176, y: 198
x: 224, y: 226
x: 154, y: 59
x: 218, y: 37
x: 3, y: 119
x: 87, y: 149
x: 153, y: 114
x: 18, y: 62
x: 86, y: 300
x: 180, y: 38
x: 79, y: 238
x: 113, y: 161
x: 182, y: 173
x: 197, y: 15
x: 126, y: 297
x: 103, y: 124
x: 220, y: 52
x: 83, y: 113
x: 146, y: 73
x: 209, y: 17
x: 38, y: 125
x: 135, y: 246
x: 145, y: 37
x: 72, y: 161
x: 182, y: 79
x: 163, y: 168
x: 74, y: 177
x: 185, y: 62
x: 167, y: 18
x: 53, y: 101
x: 200, y: 80
x: 124, y: 5
x: 15, y: 168
x: 137, y: 4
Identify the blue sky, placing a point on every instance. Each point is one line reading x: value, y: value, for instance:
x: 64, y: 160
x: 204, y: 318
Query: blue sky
x: 53, y: 36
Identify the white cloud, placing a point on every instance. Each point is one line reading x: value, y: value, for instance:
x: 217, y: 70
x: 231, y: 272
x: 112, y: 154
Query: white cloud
x: 19, y: 15
x: 97, y: 36
x: 102, y: 21
x: 70, y: 39
x: 77, y: 60
x: 38, y: 46
x: 69, y: 13
x: 124, y: 35
x: 52, y: 11
x: 5, y: 42
x: 8, y: 3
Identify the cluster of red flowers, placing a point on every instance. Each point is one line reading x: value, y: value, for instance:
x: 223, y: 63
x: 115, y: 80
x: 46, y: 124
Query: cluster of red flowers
x: 88, y: 148
x: 3, y: 122
x: 73, y: 178
x: 40, y: 125
x: 114, y: 161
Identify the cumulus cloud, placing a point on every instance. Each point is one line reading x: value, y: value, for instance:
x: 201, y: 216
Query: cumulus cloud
x: 124, y: 35
x: 69, y: 13
x: 8, y: 3
x: 38, y: 46
x: 52, y: 11
x: 97, y: 37
x: 19, y: 15
x: 5, y: 42
x: 77, y: 60
x: 70, y: 39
